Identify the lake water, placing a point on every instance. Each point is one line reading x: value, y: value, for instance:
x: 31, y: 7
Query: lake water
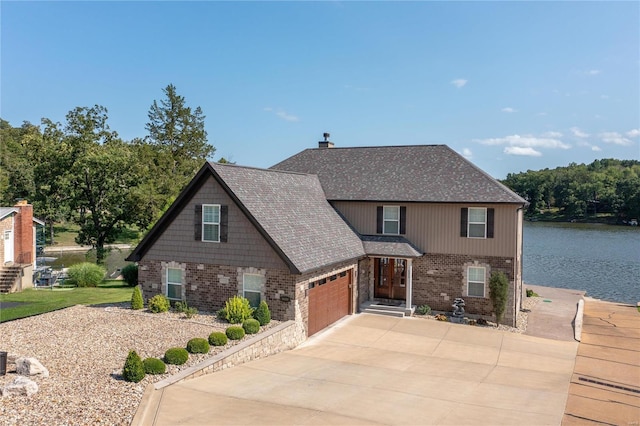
x: 603, y: 260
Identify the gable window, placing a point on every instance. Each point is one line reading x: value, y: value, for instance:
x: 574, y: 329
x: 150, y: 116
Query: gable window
x: 174, y: 283
x: 476, y: 222
x: 476, y: 281
x: 252, y: 288
x: 391, y: 220
x: 211, y: 223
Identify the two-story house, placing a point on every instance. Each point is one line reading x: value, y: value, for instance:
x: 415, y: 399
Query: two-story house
x: 328, y: 229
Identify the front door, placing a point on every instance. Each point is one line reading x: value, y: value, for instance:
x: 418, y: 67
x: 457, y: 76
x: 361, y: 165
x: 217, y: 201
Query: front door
x: 390, y: 278
x: 8, y: 246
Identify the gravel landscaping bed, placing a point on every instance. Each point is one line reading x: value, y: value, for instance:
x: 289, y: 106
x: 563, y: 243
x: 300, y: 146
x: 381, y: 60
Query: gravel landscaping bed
x: 84, y: 348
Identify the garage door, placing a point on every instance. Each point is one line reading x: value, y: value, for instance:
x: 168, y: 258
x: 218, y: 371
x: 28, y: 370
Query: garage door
x: 328, y: 300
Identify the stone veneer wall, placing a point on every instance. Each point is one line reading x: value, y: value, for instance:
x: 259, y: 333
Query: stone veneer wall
x: 439, y: 278
x: 365, y: 279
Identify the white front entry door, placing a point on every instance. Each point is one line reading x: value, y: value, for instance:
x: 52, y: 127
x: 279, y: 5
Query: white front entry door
x: 8, y: 246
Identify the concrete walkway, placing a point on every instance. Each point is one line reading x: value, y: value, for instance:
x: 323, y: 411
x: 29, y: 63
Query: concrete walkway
x: 605, y: 386
x: 371, y: 369
x: 554, y: 317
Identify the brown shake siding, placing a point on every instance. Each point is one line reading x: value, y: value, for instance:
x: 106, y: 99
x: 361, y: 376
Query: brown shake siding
x: 245, y: 245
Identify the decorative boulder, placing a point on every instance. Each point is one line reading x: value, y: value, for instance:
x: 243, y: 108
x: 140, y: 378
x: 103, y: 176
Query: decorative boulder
x: 20, y: 386
x: 30, y: 367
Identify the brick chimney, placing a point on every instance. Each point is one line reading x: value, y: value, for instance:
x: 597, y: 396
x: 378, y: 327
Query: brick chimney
x: 326, y: 143
x: 23, y: 233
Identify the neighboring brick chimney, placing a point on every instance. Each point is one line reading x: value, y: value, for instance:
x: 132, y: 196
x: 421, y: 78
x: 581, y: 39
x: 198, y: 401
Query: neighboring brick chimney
x: 23, y: 233
x: 326, y: 143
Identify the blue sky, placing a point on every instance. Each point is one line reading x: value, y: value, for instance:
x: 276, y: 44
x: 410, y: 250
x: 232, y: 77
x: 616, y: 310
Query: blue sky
x: 511, y: 85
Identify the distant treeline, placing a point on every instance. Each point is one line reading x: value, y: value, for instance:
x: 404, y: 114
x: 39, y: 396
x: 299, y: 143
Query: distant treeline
x: 579, y: 190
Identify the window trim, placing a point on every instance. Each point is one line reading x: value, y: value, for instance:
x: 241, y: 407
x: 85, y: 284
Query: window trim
x: 169, y: 283
x: 385, y: 220
x: 484, y: 223
x: 244, y: 290
x: 211, y: 223
x: 484, y: 282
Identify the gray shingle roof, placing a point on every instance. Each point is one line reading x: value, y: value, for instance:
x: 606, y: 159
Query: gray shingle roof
x: 423, y: 173
x: 389, y: 246
x: 293, y: 211
x: 6, y: 211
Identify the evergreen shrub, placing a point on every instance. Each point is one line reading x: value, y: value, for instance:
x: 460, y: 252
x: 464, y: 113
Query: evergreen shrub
x: 251, y: 326
x: 262, y: 313
x: 198, y: 345
x: 176, y: 356
x: 235, y: 332
x: 136, y: 298
x: 423, y: 310
x: 133, y: 370
x: 154, y: 366
x: 498, y: 293
x: 217, y: 338
x: 238, y: 309
x: 130, y: 274
x: 159, y: 303
x: 86, y: 274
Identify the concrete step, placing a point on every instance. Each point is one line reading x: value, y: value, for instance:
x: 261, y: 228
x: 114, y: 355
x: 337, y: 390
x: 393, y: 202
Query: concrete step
x: 389, y: 313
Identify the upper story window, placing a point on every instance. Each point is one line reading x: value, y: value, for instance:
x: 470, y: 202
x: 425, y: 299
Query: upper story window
x: 391, y: 220
x: 476, y: 222
x: 211, y: 223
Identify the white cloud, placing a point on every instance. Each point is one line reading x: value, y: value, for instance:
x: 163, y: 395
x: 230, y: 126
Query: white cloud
x: 596, y: 148
x: 614, y: 138
x: 578, y: 133
x: 525, y: 141
x: 592, y: 72
x: 633, y: 133
x: 542, y: 114
x: 466, y: 153
x: 282, y: 114
x: 459, y: 83
x: 552, y: 134
x: 508, y: 109
x: 517, y: 150
x: 604, y: 97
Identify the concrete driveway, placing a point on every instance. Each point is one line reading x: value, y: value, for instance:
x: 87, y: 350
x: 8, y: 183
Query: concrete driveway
x: 372, y: 369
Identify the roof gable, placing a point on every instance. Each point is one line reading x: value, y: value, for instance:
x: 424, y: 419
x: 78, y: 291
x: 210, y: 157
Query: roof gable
x: 417, y: 173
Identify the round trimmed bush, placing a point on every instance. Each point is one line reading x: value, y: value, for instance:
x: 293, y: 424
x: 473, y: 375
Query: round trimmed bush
x: 133, y: 370
x: 198, y: 345
x: 251, y: 326
x: 86, y: 274
x: 262, y: 313
x: 159, y: 303
x: 234, y: 332
x: 130, y: 274
x: 136, y: 299
x: 217, y: 338
x: 154, y: 366
x: 176, y: 356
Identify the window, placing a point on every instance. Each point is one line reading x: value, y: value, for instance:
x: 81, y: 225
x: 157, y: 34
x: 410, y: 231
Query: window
x: 391, y: 220
x: 251, y: 288
x: 211, y: 223
x: 174, y: 283
x: 475, y: 281
x: 477, y: 222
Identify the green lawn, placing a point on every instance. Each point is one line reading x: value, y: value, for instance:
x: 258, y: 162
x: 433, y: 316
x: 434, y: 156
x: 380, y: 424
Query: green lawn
x: 47, y: 300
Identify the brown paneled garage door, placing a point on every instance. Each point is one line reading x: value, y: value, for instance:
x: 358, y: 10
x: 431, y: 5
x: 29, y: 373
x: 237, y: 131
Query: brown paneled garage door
x: 329, y: 300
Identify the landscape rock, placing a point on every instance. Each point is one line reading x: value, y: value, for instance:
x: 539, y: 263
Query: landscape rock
x: 30, y: 367
x: 20, y: 386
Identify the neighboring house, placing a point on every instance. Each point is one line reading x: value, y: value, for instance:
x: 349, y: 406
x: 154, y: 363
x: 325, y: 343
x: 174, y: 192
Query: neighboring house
x: 17, y: 247
x: 328, y: 229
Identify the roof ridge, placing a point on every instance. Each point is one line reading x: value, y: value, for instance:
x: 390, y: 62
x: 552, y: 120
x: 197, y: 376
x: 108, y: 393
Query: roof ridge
x: 239, y: 166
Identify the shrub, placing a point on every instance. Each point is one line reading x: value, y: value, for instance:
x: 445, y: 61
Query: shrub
x: 498, y: 293
x: 154, y: 366
x: 136, y: 299
x: 183, y: 307
x: 159, y: 303
x: 251, y: 326
x: 176, y: 356
x: 222, y: 314
x: 262, y: 313
x: 238, y: 310
x: 234, y: 332
x: 217, y: 338
x: 133, y: 370
x: 198, y: 345
x: 130, y: 274
x: 423, y: 310
x: 86, y: 274
x: 531, y: 293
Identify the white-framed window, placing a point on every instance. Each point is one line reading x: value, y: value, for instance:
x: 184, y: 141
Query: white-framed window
x: 391, y: 220
x: 477, y: 223
x: 174, y: 283
x: 476, y: 276
x: 252, y: 288
x: 211, y: 223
